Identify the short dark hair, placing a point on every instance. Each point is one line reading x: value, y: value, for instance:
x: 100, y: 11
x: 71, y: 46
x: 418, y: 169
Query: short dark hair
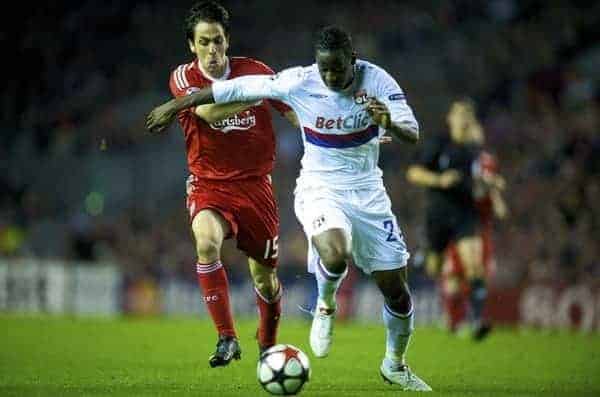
x: 466, y: 101
x: 207, y: 11
x: 334, y: 38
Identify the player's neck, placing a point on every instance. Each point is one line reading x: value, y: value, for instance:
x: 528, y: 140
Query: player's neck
x: 350, y: 82
x: 221, y: 74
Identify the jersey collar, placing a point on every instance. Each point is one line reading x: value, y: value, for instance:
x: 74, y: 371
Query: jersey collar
x: 208, y: 76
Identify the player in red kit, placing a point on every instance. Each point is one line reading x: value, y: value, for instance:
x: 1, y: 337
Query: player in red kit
x: 230, y: 153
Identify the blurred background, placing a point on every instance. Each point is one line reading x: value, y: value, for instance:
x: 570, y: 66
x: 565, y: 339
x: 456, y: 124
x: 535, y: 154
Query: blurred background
x: 92, y: 214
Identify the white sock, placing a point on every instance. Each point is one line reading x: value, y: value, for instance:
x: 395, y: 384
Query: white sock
x: 399, y: 327
x: 328, y: 284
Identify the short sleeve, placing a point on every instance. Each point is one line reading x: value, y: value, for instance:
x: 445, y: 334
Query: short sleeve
x: 281, y: 107
x: 179, y: 82
x: 390, y: 93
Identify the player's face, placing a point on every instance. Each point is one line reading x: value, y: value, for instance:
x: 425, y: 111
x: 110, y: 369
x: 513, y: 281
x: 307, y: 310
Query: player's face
x: 460, y: 119
x: 336, y: 68
x: 210, y: 46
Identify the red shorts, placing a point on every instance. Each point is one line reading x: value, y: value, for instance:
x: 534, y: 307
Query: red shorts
x: 248, y: 206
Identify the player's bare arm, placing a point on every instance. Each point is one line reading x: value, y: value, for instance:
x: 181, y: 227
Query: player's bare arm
x: 217, y: 112
x: 494, y: 181
x: 421, y: 176
x: 380, y: 114
x: 498, y: 204
x: 163, y: 115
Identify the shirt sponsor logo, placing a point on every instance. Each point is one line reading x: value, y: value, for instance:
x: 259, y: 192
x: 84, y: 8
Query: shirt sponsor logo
x: 352, y: 122
x: 241, y: 121
x: 320, y: 96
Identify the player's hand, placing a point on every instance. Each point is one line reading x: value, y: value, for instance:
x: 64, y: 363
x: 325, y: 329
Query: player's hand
x: 379, y: 113
x: 449, y: 178
x: 161, y: 117
x: 495, y: 181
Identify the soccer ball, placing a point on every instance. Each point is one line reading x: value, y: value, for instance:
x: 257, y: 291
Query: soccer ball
x: 283, y: 369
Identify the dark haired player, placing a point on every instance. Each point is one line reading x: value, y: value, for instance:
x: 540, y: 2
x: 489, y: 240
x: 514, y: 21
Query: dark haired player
x: 461, y: 182
x: 230, y: 152
x: 343, y: 105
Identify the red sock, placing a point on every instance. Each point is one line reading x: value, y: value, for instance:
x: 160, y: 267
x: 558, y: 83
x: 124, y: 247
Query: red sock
x: 214, y: 286
x: 268, y: 318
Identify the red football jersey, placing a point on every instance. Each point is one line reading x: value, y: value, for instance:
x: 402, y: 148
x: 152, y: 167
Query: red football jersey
x: 238, y: 147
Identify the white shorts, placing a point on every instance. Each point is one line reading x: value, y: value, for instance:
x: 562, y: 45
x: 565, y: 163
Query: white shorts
x: 366, y: 216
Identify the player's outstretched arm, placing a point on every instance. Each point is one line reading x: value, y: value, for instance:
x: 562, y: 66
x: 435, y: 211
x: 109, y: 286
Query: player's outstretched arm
x: 421, y: 176
x: 163, y: 115
x: 217, y: 112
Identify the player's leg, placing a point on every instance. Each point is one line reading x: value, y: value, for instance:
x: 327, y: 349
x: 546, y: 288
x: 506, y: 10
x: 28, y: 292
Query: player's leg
x: 268, y: 291
x: 334, y: 248
x: 257, y: 237
x: 433, y: 264
x: 379, y: 250
x: 436, y: 234
x: 329, y: 233
x: 453, y: 292
x: 439, y: 232
x: 210, y: 228
x: 397, y: 311
x: 331, y: 267
x: 470, y: 252
x: 398, y: 317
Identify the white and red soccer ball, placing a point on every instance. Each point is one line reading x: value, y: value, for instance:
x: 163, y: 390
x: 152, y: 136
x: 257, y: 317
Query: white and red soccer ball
x: 283, y: 369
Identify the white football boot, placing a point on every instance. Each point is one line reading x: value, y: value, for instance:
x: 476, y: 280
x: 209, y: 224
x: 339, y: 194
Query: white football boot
x: 402, y: 375
x: 321, y: 331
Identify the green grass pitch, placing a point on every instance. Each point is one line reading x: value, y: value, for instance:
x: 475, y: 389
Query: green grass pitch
x: 47, y: 356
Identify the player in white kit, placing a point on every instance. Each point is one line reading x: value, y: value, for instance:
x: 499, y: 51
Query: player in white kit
x: 343, y: 105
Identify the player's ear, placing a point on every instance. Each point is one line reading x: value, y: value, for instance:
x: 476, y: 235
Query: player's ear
x: 192, y: 46
x: 227, y: 41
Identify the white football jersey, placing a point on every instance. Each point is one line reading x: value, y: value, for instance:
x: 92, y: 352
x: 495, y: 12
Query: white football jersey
x: 341, y: 141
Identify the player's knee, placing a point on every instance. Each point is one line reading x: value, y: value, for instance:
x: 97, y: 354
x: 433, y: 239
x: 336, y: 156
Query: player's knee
x: 266, y: 283
x: 433, y: 264
x: 475, y: 270
x: 471, y: 256
x: 451, y: 286
x: 207, y: 248
x: 399, y: 299
x: 334, y: 257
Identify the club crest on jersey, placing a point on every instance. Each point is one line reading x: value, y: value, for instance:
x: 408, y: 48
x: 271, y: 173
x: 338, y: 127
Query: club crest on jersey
x: 319, y: 221
x: 360, y: 97
x: 240, y: 121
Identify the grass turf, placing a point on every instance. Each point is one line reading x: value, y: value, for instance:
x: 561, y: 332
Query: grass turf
x: 51, y: 356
